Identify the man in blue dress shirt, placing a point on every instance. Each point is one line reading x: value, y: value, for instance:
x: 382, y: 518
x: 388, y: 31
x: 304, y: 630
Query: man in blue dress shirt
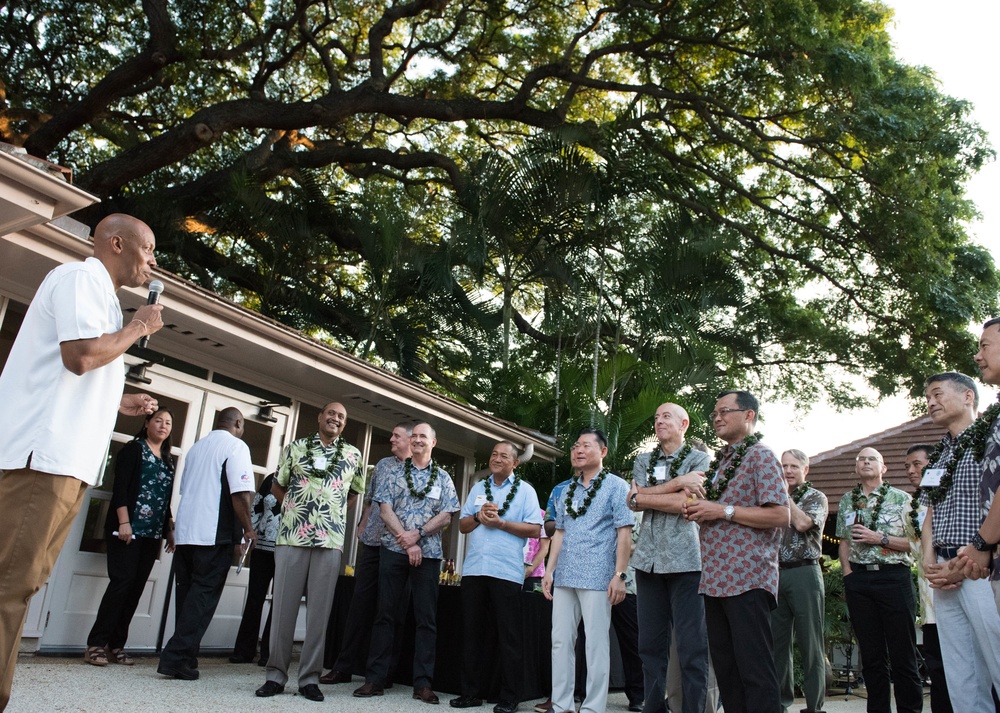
x: 499, y: 515
x: 586, y: 575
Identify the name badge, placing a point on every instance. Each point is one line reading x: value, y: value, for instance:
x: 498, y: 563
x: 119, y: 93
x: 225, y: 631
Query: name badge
x: 660, y: 473
x: 435, y: 493
x: 932, y: 478
x: 921, y: 516
x: 319, y: 462
x: 849, y: 518
x: 480, y: 501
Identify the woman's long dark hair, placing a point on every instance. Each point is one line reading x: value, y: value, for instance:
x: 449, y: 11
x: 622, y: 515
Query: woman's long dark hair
x: 165, y: 455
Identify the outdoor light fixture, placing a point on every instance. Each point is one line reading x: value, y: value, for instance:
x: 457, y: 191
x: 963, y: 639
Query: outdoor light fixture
x: 264, y: 412
x: 137, y: 373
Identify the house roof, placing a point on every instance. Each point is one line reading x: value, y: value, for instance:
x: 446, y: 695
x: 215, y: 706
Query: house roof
x: 833, y: 471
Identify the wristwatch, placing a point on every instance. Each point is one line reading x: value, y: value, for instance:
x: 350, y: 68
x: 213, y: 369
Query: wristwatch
x: 620, y: 575
x: 631, y: 501
x: 420, y: 531
x: 729, y: 511
x: 980, y: 544
x: 885, y: 540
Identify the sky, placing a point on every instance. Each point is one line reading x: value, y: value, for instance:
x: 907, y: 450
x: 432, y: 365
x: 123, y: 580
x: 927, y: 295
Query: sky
x: 956, y: 40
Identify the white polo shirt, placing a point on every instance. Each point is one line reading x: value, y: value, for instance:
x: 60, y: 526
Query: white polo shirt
x: 205, y: 514
x: 61, y: 421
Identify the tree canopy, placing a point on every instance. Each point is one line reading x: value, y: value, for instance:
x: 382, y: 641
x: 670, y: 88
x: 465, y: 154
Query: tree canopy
x: 620, y: 202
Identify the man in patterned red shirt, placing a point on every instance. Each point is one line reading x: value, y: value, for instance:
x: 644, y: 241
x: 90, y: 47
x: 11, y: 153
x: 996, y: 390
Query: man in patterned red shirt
x: 741, y: 521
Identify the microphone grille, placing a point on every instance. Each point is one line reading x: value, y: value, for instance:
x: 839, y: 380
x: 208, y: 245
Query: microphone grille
x: 156, y: 286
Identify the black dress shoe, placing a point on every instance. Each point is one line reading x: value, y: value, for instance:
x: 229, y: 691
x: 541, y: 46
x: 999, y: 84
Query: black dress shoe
x: 270, y: 688
x: 465, y: 702
x: 236, y: 658
x: 505, y: 707
x: 368, y: 690
x: 635, y: 707
x: 311, y: 691
x: 180, y: 672
x: 336, y: 676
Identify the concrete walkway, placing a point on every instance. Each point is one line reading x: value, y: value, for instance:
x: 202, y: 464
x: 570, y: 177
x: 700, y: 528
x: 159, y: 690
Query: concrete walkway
x: 43, y: 684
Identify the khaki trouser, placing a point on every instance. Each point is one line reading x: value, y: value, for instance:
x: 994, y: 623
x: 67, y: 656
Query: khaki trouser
x: 40, y: 508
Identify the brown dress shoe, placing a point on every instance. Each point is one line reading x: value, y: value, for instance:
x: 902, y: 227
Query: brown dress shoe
x: 425, y: 694
x: 368, y: 690
x: 336, y: 676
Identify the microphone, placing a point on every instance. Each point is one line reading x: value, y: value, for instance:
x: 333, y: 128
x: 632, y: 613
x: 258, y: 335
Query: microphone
x: 155, y: 288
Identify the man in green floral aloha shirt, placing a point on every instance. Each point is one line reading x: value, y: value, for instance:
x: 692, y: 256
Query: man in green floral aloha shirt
x: 318, y: 477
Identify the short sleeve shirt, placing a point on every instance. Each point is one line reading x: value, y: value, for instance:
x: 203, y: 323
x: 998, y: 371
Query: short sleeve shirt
x: 892, y: 520
x: 797, y: 546
x: 491, y: 552
x: 990, y: 482
x: 957, y: 518
x: 374, y: 528
x: 414, y: 512
x: 667, y: 542
x: 317, y: 483
x: 37, y: 391
x: 736, y: 558
x: 205, y: 515
x: 554, y: 496
x: 590, y: 542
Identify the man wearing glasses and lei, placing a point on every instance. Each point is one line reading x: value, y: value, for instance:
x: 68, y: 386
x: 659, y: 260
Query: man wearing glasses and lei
x: 872, y: 523
x: 742, y: 518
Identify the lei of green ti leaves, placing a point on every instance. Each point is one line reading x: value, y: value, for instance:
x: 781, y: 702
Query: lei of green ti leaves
x: 674, y: 467
x: 800, y: 492
x: 488, y: 486
x: 714, y: 492
x: 337, y: 455
x: 878, y: 494
x: 571, y: 490
x: 407, y: 471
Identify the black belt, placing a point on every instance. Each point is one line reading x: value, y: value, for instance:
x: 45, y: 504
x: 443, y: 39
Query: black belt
x: 948, y: 553
x: 796, y: 563
x: 877, y: 567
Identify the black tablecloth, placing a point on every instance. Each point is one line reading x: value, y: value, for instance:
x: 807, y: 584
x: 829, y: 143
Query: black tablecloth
x: 536, y: 619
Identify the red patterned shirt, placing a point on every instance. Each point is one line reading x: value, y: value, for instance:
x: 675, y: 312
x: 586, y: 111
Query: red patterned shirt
x: 736, y: 558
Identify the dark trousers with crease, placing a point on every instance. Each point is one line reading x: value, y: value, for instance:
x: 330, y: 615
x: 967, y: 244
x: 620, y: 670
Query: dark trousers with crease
x: 491, y: 608
x: 261, y: 574
x: 129, y: 566
x: 200, y: 572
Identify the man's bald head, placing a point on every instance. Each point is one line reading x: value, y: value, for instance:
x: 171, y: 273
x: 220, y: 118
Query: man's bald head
x: 125, y: 245
x: 230, y: 419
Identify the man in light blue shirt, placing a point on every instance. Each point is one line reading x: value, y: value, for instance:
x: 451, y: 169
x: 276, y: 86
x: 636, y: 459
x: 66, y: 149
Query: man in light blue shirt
x: 586, y: 575
x: 499, y: 515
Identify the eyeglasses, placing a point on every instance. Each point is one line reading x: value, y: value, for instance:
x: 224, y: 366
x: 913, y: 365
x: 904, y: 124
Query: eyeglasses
x: 868, y: 459
x: 724, y: 411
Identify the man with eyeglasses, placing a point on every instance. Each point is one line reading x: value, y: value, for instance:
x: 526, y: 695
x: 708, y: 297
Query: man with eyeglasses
x: 742, y: 519
x: 872, y: 523
x: 499, y: 515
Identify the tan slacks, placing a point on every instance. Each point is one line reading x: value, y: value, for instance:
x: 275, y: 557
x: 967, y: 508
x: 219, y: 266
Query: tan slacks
x: 40, y: 509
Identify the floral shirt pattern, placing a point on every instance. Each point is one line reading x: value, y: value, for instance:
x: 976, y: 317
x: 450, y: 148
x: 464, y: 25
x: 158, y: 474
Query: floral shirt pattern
x: 893, y: 520
x: 155, y: 482
x: 797, y: 546
x: 374, y: 528
x: 265, y: 516
x: 991, y: 482
x: 416, y: 512
x: 314, y: 511
x: 736, y: 558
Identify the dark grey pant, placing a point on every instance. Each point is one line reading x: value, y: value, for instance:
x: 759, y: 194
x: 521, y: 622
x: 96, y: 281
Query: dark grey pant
x: 200, y: 572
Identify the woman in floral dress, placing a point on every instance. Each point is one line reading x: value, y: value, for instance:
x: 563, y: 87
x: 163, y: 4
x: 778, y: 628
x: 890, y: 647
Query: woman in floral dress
x: 138, y: 518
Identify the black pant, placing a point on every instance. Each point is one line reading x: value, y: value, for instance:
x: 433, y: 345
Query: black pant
x: 394, y: 572
x: 739, y: 641
x: 881, y: 605
x: 261, y: 574
x: 625, y: 619
x: 200, y: 572
x: 491, y: 611
x: 129, y: 566
x: 363, y: 607
x: 940, y: 702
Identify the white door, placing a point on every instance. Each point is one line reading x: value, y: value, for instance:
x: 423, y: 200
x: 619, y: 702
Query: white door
x: 265, y: 440
x: 73, y: 594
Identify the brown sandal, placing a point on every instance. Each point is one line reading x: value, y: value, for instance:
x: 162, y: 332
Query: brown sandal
x: 96, y: 656
x: 119, y: 656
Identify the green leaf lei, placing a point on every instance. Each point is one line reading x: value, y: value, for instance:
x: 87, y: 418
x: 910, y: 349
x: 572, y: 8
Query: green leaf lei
x: 800, y: 492
x: 713, y: 492
x: 338, y: 453
x: 488, y: 486
x: 571, y: 490
x: 654, y: 457
x: 973, y: 437
x: 915, y: 512
x: 431, y: 479
x: 879, y: 494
